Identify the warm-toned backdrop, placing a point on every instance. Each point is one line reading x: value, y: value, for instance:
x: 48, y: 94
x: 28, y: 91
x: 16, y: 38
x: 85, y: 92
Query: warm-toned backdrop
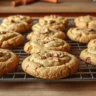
x: 38, y: 7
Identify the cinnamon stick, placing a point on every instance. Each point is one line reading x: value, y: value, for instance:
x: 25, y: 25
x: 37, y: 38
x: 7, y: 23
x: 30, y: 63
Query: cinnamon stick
x: 24, y: 2
x: 16, y: 3
x: 51, y: 1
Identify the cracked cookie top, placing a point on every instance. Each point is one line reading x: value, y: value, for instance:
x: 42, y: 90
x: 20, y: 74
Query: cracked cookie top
x: 10, y: 39
x: 17, y: 18
x: 8, y: 61
x: 53, y: 19
x: 50, y: 64
x: 86, y: 22
x: 81, y: 35
x: 48, y: 43
x: 92, y: 46
x: 16, y: 26
x: 47, y: 32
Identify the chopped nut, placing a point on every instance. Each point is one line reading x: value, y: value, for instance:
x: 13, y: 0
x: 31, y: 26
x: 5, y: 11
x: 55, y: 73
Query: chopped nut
x: 12, y: 21
x: 30, y: 48
x: 50, y: 55
x: 49, y: 39
x: 55, y: 59
x: 3, y: 32
x: 44, y: 42
x: 45, y: 30
x: 61, y: 54
x: 94, y: 41
x: 21, y: 16
x: 31, y: 59
x: 88, y: 59
x: 56, y: 55
x: 1, y: 38
x: 51, y: 21
x: 43, y: 57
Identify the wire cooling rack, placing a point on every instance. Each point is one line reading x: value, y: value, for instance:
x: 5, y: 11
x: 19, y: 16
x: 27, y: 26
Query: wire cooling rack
x: 86, y: 72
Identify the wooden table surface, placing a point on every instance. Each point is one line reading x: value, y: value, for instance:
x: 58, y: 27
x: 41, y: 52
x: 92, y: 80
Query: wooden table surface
x: 62, y: 6
x: 48, y: 89
x: 44, y: 14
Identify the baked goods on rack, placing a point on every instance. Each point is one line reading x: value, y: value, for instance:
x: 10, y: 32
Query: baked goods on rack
x: 10, y: 39
x: 18, y: 18
x: 16, y: 26
x: 50, y: 64
x: 50, y: 61
x: 8, y: 61
x: 38, y: 26
x: 86, y: 22
x: 89, y: 55
x: 46, y: 32
x: 48, y: 43
x: 53, y: 19
x: 81, y: 35
x: 18, y: 23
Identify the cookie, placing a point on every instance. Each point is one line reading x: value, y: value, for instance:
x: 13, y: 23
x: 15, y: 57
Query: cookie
x: 8, y: 61
x: 18, y: 18
x: 81, y: 35
x: 50, y: 64
x: 46, y: 33
x: 89, y: 55
x: 38, y: 26
x: 48, y: 43
x: 86, y: 22
x: 53, y: 19
x: 10, y: 39
x: 16, y: 26
x: 2, y: 28
x: 92, y: 46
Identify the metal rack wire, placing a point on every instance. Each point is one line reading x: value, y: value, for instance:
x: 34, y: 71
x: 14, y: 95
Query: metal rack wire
x: 86, y: 72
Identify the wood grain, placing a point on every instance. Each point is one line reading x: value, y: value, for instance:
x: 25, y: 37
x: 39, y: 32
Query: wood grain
x: 48, y: 89
x: 43, y: 7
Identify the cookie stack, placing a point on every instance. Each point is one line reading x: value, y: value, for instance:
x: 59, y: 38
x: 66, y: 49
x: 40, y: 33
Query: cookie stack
x: 10, y: 37
x: 49, y: 59
x: 85, y: 29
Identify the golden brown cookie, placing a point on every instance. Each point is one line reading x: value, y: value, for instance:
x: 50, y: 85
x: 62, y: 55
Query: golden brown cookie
x: 16, y: 26
x: 38, y: 26
x: 48, y: 43
x: 46, y: 33
x: 2, y: 28
x: 53, y: 19
x: 8, y: 61
x: 18, y: 18
x: 81, y: 35
x: 10, y: 39
x: 89, y: 55
x: 86, y: 22
x: 92, y: 46
x: 50, y: 64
